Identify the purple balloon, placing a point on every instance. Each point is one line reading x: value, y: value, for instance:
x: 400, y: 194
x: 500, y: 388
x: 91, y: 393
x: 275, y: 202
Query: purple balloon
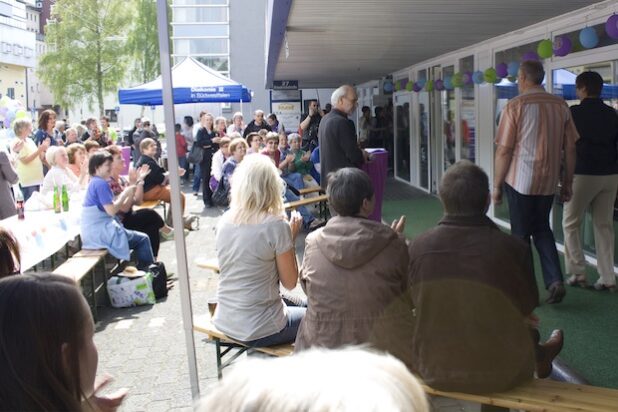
x: 502, y: 70
x: 562, y: 46
x: 417, y: 87
x: 611, y: 26
x: 439, y: 84
x: 467, y: 78
x: 530, y: 55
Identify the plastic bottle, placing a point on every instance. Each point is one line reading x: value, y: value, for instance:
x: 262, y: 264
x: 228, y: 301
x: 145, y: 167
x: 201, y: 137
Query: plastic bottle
x: 57, y: 202
x: 19, y: 203
x: 65, y: 198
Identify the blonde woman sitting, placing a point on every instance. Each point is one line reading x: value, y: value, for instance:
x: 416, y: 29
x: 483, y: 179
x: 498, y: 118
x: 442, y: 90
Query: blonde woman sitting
x: 255, y: 248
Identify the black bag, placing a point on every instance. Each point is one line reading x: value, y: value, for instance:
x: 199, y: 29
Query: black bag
x: 196, y: 155
x: 159, y: 279
x: 221, y: 195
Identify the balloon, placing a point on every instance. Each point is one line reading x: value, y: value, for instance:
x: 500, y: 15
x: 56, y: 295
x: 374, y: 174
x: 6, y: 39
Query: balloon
x: 448, y: 83
x: 409, y: 85
x: 530, y: 55
x: 545, y: 48
x: 457, y: 79
x: 429, y: 86
x: 4, y: 101
x: 512, y: 69
x: 467, y: 78
x: 502, y: 70
x: 3, y: 110
x: 490, y: 75
x: 7, y: 123
x: 421, y: 82
x: 388, y: 87
x: 562, y: 46
x: 611, y: 26
x: 417, y: 87
x: 478, y: 77
x: 439, y: 84
x: 588, y: 38
x: 397, y: 85
x: 21, y: 113
x: 10, y: 114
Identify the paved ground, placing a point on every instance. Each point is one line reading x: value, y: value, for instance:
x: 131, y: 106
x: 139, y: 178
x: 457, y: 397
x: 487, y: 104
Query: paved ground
x: 144, y: 347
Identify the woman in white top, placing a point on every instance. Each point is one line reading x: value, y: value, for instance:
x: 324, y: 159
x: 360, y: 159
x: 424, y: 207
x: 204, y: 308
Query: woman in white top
x: 60, y: 174
x: 255, y: 248
x: 216, y: 169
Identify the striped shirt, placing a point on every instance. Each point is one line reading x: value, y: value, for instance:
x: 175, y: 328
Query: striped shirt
x: 536, y: 126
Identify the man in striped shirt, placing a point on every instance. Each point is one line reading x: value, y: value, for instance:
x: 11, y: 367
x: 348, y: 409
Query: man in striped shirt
x: 535, y: 134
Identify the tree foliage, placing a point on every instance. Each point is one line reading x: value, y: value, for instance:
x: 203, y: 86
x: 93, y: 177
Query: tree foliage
x: 86, y: 50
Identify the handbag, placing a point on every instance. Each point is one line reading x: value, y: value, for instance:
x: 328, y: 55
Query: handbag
x: 125, y: 291
x: 159, y: 279
x: 221, y: 196
x: 196, y: 155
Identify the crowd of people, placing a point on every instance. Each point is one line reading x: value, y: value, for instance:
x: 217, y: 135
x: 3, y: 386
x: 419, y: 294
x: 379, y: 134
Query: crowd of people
x: 455, y: 305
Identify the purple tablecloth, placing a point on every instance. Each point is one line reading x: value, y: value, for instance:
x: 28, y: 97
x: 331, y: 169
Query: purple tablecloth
x: 377, y: 169
x: 126, y: 155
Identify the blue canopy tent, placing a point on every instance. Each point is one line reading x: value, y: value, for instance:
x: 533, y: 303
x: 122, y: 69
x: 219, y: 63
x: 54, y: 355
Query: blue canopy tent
x: 193, y: 83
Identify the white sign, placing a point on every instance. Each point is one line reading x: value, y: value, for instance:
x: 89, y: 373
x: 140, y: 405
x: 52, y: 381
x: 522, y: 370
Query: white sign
x: 17, y: 46
x: 288, y: 114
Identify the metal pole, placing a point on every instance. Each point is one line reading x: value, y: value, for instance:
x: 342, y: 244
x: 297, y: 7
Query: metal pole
x: 179, y: 239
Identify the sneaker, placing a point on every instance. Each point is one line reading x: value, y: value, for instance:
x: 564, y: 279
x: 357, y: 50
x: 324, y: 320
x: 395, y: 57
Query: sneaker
x: 167, y: 236
x: 600, y: 286
x: 556, y: 293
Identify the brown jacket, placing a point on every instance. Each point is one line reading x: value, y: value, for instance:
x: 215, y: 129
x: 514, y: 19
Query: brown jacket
x: 354, y: 275
x: 472, y: 287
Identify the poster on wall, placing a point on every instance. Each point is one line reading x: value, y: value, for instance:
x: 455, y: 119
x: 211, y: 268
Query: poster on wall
x: 288, y: 114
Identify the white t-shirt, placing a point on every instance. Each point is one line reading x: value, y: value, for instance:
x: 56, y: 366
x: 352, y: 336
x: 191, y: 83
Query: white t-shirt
x: 216, y: 169
x: 249, y: 305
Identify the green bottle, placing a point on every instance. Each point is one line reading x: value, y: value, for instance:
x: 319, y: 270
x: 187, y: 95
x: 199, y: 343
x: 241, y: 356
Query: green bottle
x: 57, y: 204
x: 65, y: 198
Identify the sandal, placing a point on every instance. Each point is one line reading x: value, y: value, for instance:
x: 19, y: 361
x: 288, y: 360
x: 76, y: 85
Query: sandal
x: 600, y: 286
x: 577, y: 280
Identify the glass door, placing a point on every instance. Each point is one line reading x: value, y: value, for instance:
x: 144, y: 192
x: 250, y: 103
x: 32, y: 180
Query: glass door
x: 423, y: 141
x: 402, y: 137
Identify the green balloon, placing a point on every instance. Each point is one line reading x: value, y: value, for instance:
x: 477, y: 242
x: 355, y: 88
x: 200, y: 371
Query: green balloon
x: 545, y: 49
x: 397, y: 85
x: 457, y: 80
x: 409, y: 85
x: 21, y: 113
x: 429, y: 86
x: 490, y: 75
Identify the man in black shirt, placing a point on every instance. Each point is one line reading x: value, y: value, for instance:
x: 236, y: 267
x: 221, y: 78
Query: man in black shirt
x: 595, y: 183
x: 258, y: 123
x: 309, y: 124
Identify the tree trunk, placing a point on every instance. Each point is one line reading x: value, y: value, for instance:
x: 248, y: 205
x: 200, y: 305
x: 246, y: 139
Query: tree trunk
x: 100, y: 81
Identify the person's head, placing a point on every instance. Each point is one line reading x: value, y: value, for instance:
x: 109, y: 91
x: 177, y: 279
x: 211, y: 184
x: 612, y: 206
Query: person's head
x: 137, y: 123
x: 350, y: 379
x: 283, y: 139
x: 81, y: 129
x: 91, y: 146
x: 100, y: 164
x: 531, y: 74
x: 258, y: 116
x: 366, y: 111
x: 148, y: 147
x: 118, y: 160
x: 238, y: 148
x: 256, y: 191
x: 588, y: 84
x: 464, y: 190
x: 146, y: 124
x: 220, y: 123
x: 328, y: 107
x: 237, y: 119
x: 22, y: 127
x: 77, y: 153
x: 104, y: 122
x: 344, y: 99
x: 313, y: 106
x: 177, y: 128
x: 71, y: 135
x: 234, y: 135
x: 295, y: 141
x: 350, y: 192
x: 272, y: 142
x: 224, y: 145
x: 91, y: 122
x: 207, y: 120
x: 188, y: 121
x: 271, y: 119
x: 47, y: 119
x: 253, y: 139
x: 47, y: 354
x: 60, y: 125
x: 10, y: 257
x: 57, y: 156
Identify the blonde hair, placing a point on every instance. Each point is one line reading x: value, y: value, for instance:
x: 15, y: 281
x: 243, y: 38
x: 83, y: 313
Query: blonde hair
x: 51, y: 153
x: 146, y: 143
x: 271, y: 136
x: 239, y: 141
x: 256, y: 191
x: 351, y: 379
x: 21, y: 124
x: 74, y: 148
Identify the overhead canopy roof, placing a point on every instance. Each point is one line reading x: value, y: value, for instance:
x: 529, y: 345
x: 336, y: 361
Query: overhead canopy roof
x: 331, y: 42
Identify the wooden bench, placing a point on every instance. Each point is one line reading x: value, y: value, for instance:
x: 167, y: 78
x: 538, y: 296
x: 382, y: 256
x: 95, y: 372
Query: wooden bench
x: 544, y: 395
x: 151, y: 204
x: 203, y: 324
x: 309, y: 190
x: 321, y: 200
x: 212, y: 264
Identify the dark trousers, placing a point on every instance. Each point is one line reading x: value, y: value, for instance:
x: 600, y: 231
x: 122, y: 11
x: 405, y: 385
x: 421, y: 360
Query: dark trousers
x: 530, y: 217
x: 206, y: 166
x: 146, y: 221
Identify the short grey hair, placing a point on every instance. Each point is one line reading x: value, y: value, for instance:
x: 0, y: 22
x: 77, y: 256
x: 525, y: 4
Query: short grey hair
x: 347, y: 189
x: 59, y: 123
x: 373, y: 381
x: 293, y: 137
x: 20, y: 125
x: 237, y: 114
x: 258, y: 111
x: 71, y: 130
x: 339, y: 93
x: 50, y: 154
x: 464, y: 190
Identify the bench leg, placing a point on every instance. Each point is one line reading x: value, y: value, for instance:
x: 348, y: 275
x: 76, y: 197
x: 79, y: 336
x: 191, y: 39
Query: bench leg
x: 219, y: 367
x: 95, y: 313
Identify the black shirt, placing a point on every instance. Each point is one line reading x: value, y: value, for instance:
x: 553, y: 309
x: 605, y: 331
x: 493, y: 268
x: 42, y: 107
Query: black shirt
x: 597, y: 125
x: 311, y: 133
x: 156, y: 175
x: 254, y: 128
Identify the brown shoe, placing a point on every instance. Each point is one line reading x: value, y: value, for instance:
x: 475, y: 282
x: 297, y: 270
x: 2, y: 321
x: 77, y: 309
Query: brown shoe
x: 548, y: 351
x: 556, y: 293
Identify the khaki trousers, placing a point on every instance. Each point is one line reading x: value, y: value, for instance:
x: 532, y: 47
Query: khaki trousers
x: 598, y: 192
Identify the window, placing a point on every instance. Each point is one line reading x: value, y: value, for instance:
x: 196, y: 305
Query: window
x: 220, y: 64
x: 199, y: 30
x: 200, y: 46
x: 10, y: 91
x: 201, y: 14
x: 199, y: 2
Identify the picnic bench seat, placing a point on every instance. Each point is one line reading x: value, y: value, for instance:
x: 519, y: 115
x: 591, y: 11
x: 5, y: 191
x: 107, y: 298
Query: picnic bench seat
x: 203, y: 324
x: 320, y: 200
x: 151, y: 204
x: 309, y: 190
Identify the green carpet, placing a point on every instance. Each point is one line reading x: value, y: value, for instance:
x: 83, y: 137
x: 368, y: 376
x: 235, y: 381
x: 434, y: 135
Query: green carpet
x: 588, y: 318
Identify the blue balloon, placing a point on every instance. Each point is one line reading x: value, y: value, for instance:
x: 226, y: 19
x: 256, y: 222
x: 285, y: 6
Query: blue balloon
x: 478, y: 77
x: 388, y: 87
x: 448, y: 83
x: 421, y: 82
x: 588, y: 38
x: 512, y: 69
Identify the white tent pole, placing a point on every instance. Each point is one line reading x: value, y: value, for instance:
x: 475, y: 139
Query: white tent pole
x: 172, y: 159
